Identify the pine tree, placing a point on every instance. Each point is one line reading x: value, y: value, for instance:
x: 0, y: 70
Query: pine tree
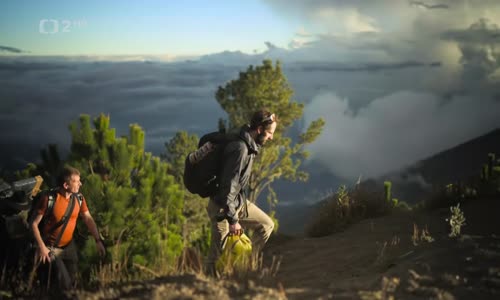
x: 196, y: 220
x: 132, y: 197
x: 266, y: 87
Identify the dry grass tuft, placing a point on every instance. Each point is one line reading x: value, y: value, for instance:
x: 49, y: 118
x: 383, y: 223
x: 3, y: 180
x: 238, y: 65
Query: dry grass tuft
x: 348, y: 206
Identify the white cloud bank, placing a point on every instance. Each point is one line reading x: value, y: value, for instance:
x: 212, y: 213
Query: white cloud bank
x: 393, y: 131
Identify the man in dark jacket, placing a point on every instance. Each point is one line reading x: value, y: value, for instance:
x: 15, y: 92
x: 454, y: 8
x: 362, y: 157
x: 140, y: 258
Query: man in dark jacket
x: 228, y: 210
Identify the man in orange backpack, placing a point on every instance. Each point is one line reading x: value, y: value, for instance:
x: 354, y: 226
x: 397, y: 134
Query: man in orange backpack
x: 54, y: 236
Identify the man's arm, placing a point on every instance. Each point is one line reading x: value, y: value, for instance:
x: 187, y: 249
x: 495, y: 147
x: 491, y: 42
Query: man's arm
x: 229, y: 184
x: 89, y: 221
x: 43, y: 251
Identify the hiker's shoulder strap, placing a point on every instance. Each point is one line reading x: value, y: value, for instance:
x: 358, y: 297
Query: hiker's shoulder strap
x: 52, y: 196
x: 64, y: 221
x: 213, y: 137
x: 80, y: 198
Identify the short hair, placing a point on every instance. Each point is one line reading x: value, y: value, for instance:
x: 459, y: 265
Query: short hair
x: 262, y: 118
x: 66, y: 174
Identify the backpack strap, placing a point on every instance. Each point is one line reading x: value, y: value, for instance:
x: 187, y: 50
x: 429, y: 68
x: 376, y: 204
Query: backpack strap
x: 64, y: 220
x: 79, y: 197
x: 52, y: 194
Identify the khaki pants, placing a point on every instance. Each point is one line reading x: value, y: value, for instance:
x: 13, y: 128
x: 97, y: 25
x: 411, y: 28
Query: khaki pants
x: 257, y: 220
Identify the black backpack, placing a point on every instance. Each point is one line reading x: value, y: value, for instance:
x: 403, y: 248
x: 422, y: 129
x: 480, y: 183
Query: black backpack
x: 202, y: 167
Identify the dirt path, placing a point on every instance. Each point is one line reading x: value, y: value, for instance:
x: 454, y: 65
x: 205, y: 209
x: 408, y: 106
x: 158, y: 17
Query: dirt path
x: 374, y: 259
x: 353, y: 263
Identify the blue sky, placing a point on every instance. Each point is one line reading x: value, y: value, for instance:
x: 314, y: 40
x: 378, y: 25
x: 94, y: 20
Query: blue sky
x: 178, y: 28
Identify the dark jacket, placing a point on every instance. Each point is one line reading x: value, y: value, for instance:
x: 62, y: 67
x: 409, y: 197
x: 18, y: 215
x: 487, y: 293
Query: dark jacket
x: 235, y: 173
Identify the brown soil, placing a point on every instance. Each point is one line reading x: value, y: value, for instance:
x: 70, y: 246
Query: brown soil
x: 352, y: 264
x: 374, y: 259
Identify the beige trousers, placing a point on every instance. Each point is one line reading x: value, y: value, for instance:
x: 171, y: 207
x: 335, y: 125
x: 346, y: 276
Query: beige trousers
x: 257, y: 221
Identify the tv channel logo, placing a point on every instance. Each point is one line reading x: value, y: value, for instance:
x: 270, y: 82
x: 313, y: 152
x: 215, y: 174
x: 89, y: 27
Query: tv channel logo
x: 53, y: 26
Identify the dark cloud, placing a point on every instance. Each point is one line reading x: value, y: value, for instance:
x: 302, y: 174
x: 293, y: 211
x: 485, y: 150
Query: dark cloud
x: 229, y: 58
x: 429, y: 6
x: 30, y: 66
x: 10, y: 49
x: 335, y: 67
x: 270, y: 46
x: 39, y: 100
x: 481, y: 32
x: 479, y: 47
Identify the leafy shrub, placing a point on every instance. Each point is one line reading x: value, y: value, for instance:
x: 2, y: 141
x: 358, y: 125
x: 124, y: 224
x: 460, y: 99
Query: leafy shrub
x: 456, y: 220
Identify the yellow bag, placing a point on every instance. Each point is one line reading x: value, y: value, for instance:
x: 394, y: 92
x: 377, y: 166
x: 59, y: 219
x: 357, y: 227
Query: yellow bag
x: 236, y: 254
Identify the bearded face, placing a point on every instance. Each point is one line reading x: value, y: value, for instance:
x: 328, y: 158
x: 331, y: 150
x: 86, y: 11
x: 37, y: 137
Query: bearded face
x: 265, y: 133
x: 261, y: 138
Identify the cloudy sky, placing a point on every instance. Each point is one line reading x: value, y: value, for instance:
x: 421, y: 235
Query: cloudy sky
x: 396, y: 81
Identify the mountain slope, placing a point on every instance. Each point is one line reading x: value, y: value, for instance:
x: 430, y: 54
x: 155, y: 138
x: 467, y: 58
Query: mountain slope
x: 459, y: 163
x: 344, y: 264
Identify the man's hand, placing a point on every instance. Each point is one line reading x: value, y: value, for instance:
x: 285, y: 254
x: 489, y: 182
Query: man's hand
x: 43, y: 254
x: 89, y: 221
x: 235, y: 229
x: 100, y: 247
